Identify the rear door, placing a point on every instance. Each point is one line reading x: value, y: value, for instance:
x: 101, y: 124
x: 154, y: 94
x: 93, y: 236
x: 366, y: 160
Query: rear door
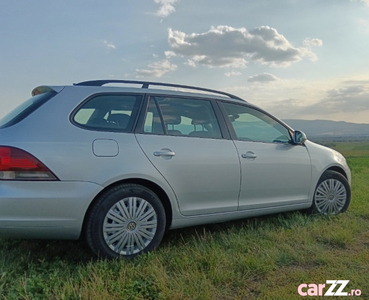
x: 183, y: 139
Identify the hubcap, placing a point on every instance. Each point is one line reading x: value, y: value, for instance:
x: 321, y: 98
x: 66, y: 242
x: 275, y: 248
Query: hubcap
x: 330, y: 197
x: 129, y: 226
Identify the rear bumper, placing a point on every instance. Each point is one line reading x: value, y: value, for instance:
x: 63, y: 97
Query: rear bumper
x: 53, y: 210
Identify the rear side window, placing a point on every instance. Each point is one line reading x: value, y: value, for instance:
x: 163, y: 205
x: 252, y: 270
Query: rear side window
x: 181, y: 117
x: 25, y: 109
x: 111, y: 112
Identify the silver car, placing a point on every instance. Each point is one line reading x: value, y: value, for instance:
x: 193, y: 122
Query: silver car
x: 120, y: 165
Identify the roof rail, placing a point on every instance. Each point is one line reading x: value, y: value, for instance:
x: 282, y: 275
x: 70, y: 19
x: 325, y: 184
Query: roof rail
x: 146, y: 84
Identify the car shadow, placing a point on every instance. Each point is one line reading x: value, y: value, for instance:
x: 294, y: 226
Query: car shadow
x: 78, y: 252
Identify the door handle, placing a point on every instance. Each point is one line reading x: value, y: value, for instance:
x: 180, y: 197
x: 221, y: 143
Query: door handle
x: 164, y: 153
x: 249, y: 155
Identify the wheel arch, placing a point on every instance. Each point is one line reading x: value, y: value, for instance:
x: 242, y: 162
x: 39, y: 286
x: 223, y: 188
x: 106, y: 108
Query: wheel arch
x: 332, y: 173
x: 338, y: 170
x: 146, y: 183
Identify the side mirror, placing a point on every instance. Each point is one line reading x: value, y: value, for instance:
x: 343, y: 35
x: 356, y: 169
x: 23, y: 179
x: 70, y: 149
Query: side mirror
x: 299, y: 137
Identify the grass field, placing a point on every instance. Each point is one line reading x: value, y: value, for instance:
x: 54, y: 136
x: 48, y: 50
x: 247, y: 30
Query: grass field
x: 258, y: 258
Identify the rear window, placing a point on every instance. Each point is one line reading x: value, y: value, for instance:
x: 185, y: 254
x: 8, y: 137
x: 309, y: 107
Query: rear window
x: 25, y: 109
x: 110, y: 112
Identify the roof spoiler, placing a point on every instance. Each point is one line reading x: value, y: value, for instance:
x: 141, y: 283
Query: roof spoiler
x: 45, y: 89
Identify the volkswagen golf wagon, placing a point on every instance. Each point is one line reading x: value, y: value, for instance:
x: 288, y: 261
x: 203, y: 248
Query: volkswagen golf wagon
x: 119, y: 165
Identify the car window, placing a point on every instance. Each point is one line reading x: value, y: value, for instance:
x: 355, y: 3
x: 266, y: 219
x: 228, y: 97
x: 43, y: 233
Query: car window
x: 253, y: 125
x: 181, y: 117
x: 25, y: 109
x: 113, y: 112
x: 153, y: 122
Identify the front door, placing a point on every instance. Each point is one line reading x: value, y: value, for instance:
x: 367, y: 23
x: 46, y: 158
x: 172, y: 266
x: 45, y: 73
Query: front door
x: 274, y: 171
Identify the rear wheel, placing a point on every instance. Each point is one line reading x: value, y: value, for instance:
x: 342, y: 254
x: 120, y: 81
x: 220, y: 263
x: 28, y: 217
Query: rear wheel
x: 125, y: 221
x: 332, y: 194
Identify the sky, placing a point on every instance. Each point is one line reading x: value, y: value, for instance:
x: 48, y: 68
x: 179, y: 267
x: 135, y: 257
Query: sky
x: 297, y: 59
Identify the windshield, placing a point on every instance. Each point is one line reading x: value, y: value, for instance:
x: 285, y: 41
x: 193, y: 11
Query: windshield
x: 25, y: 109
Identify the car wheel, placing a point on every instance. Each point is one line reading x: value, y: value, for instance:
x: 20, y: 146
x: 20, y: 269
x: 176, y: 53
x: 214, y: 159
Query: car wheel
x: 332, y: 194
x: 125, y: 221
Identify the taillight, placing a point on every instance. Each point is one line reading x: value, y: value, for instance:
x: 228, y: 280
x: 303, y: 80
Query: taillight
x: 17, y: 164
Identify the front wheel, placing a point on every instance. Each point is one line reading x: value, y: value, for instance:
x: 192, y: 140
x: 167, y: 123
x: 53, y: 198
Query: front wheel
x: 332, y: 194
x: 125, y: 221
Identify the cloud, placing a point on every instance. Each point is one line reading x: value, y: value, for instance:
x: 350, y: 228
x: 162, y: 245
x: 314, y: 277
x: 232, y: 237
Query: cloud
x: 109, y: 45
x: 232, y: 73
x: 265, y: 77
x: 157, y: 69
x: 352, y: 98
x: 225, y: 46
x: 347, y: 100
x: 308, y: 43
x: 169, y: 54
x: 166, y: 7
x: 190, y: 63
x: 222, y: 62
x: 356, y: 82
x: 346, y: 92
x: 366, y: 2
x: 312, y: 42
x: 289, y: 108
x: 364, y: 25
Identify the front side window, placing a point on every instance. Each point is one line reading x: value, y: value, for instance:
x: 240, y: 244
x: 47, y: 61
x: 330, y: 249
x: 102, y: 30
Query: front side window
x: 181, y: 117
x: 253, y: 125
x: 111, y: 112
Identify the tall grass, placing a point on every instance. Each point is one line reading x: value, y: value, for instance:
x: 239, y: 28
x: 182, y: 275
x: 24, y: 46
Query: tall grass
x: 258, y: 258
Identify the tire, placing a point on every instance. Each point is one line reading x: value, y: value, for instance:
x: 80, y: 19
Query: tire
x: 332, y: 194
x: 125, y: 221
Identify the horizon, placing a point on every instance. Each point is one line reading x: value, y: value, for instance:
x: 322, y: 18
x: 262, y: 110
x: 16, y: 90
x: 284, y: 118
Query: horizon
x: 303, y: 60
x: 324, y: 120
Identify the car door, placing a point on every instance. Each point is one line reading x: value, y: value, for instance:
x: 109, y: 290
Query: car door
x: 183, y: 139
x: 274, y: 171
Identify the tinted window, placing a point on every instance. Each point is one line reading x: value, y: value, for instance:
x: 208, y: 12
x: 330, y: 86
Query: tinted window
x: 25, y: 109
x: 153, y: 122
x: 182, y: 117
x: 109, y: 112
x: 253, y: 125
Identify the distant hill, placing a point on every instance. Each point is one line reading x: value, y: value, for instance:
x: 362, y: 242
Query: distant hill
x: 330, y: 129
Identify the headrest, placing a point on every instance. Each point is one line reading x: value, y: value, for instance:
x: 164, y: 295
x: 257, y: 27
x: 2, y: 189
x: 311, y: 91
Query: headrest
x: 172, y: 119
x: 200, y: 117
x: 200, y: 121
x: 120, y: 119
